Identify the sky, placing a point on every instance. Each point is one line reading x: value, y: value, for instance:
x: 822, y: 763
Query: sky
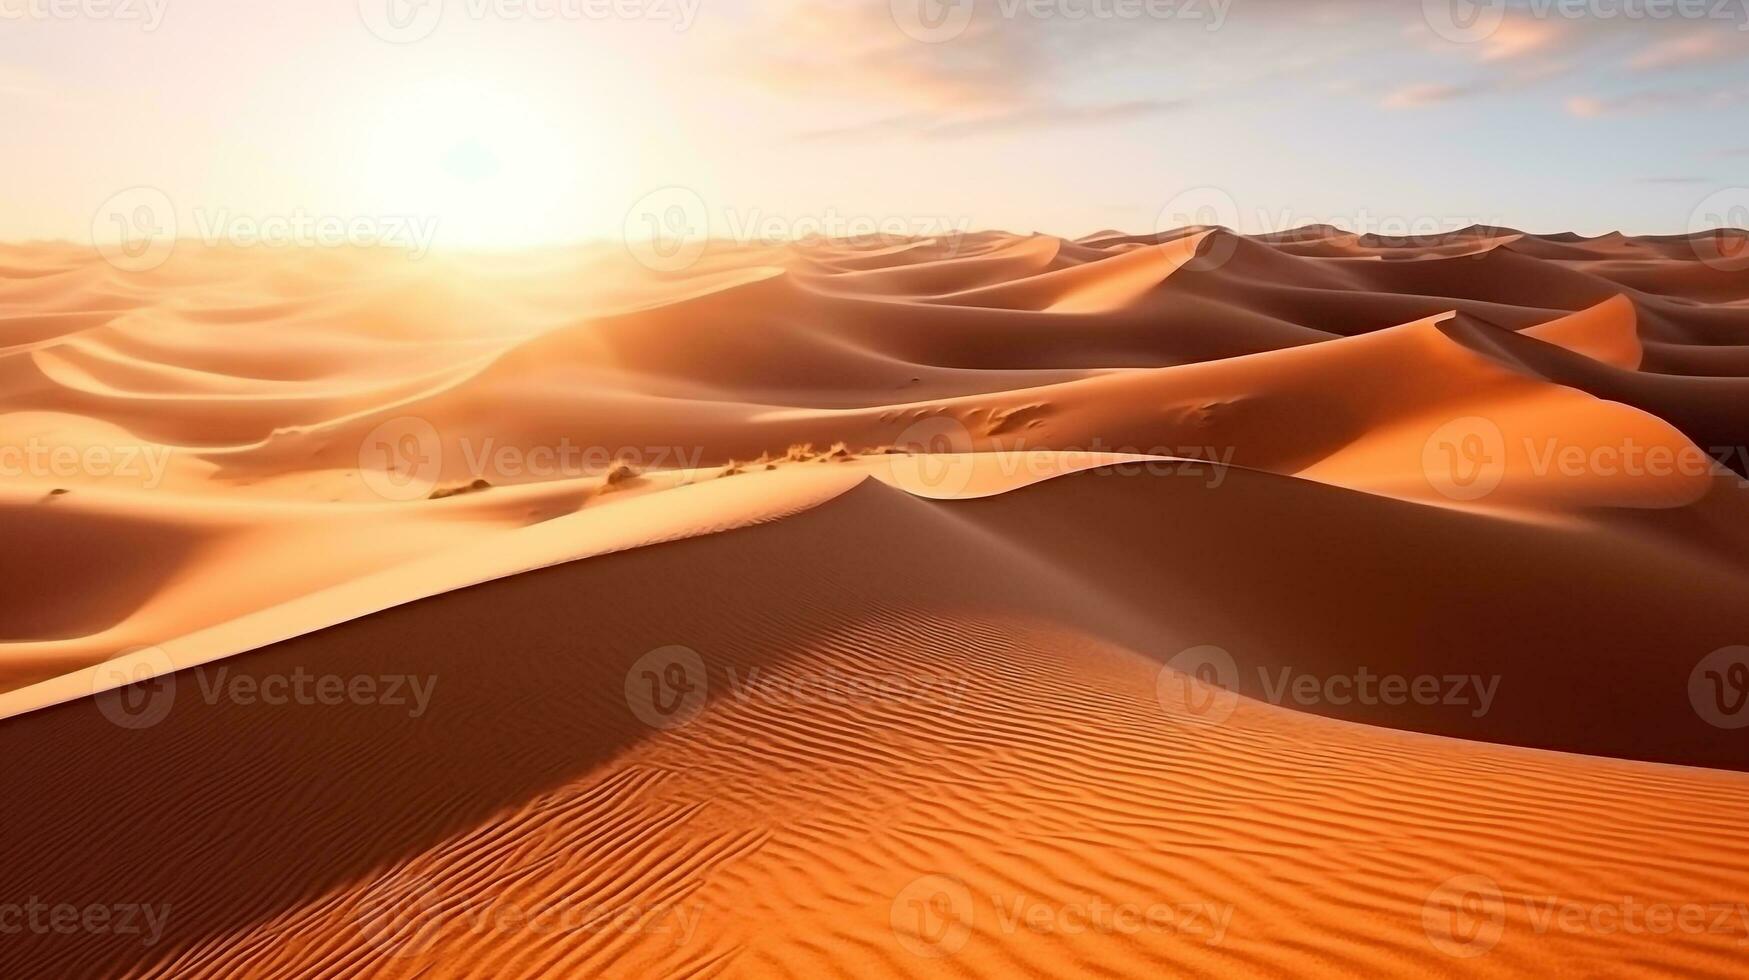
x: 503, y: 123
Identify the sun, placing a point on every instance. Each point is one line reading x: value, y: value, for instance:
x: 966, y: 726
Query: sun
x: 494, y: 167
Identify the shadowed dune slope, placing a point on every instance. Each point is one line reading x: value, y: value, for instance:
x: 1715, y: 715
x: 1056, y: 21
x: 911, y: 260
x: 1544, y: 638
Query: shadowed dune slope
x: 930, y: 700
x: 1183, y: 604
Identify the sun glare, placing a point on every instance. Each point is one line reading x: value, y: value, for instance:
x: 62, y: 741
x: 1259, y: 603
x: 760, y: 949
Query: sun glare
x: 494, y: 168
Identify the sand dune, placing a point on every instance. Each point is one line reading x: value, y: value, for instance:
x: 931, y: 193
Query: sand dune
x: 1001, y: 606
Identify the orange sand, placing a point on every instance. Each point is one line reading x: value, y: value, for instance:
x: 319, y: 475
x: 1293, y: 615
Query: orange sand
x: 907, y: 612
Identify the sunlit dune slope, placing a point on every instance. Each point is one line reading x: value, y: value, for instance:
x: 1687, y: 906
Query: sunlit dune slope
x: 851, y: 610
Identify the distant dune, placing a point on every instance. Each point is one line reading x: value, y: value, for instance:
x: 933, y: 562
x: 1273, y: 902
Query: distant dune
x: 1193, y: 604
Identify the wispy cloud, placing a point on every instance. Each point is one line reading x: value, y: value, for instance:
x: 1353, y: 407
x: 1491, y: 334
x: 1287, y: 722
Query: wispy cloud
x: 1655, y: 100
x: 922, y: 126
x: 1689, y: 50
x: 1426, y: 93
x: 1431, y: 93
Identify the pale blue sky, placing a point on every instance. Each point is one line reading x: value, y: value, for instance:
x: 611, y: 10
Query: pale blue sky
x: 514, y: 128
